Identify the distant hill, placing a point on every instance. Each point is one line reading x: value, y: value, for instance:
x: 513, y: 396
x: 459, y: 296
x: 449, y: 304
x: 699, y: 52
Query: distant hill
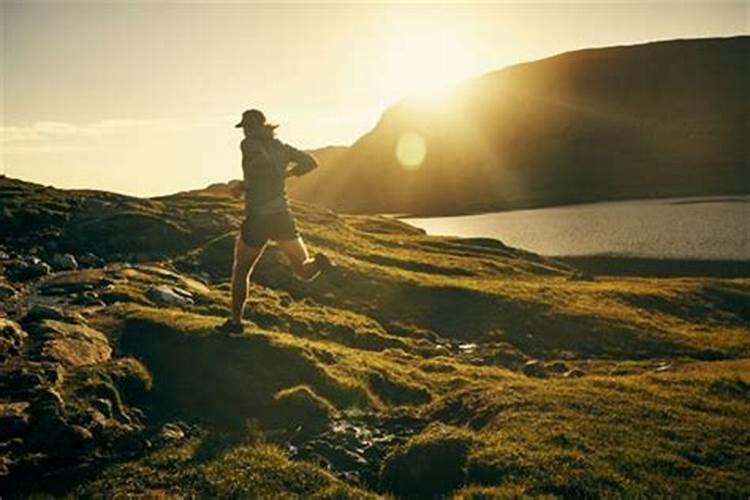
x: 654, y: 120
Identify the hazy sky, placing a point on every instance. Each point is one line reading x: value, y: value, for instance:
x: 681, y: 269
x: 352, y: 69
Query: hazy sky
x: 141, y: 97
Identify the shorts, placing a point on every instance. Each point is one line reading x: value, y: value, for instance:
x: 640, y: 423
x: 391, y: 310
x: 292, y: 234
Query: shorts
x: 256, y: 230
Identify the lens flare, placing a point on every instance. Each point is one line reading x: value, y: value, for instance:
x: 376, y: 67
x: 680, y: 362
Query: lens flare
x: 410, y: 150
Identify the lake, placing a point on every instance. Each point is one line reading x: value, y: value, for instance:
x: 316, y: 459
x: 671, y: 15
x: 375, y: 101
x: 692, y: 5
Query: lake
x: 714, y: 228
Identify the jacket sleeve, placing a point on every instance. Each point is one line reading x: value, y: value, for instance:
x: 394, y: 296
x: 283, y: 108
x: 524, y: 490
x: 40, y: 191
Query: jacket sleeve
x: 305, y: 162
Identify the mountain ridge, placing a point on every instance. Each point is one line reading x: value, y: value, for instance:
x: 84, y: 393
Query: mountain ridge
x: 552, y: 131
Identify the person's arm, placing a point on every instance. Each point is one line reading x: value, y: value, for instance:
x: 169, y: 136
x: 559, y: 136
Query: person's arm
x: 304, y: 162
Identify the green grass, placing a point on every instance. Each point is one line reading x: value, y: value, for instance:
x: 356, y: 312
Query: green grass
x: 659, y: 411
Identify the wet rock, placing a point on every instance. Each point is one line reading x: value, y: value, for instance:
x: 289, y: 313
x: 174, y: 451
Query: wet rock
x: 534, y: 368
x: 72, y: 344
x: 166, y: 295
x: 63, y: 262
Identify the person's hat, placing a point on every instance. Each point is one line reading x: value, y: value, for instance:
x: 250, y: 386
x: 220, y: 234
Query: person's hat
x: 253, y: 117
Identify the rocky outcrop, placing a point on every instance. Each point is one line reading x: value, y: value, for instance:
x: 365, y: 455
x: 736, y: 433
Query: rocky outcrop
x: 70, y: 344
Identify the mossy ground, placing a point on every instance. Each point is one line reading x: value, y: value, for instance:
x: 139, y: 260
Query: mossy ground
x: 437, y: 328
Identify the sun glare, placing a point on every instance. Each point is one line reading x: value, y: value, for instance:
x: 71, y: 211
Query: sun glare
x: 422, y: 61
x: 410, y: 150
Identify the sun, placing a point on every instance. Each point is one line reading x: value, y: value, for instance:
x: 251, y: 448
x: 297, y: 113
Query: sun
x: 424, y: 61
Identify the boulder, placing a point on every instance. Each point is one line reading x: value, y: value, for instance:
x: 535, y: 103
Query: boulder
x: 172, y: 296
x: 63, y: 262
x: 72, y: 344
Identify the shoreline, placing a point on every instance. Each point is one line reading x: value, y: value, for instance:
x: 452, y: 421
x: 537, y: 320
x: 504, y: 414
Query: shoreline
x: 677, y: 200
x: 651, y: 267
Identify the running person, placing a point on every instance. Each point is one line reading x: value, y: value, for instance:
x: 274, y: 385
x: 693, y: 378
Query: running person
x: 265, y: 162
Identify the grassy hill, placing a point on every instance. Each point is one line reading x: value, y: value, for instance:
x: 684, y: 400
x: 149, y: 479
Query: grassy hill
x: 656, y: 120
x: 427, y: 366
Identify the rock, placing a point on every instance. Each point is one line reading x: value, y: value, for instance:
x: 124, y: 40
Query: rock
x: 557, y: 367
x: 534, y: 368
x: 6, y: 291
x: 55, y: 435
x: 165, y: 295
x: 171, y: 432
x: 41, y: 312
x: 574, y: 373
x: 37, y: 269
x: 12, y: 338
x: 23, y: 270
x: 88, y: 259
x: 103, y: 406
x: 72, y: 344
x: 47, y: 401
x: 64, y: 262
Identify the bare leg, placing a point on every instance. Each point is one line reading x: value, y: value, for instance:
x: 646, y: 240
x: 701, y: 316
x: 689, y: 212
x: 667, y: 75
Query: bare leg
x: 296, y: 251
x: 245, y: 258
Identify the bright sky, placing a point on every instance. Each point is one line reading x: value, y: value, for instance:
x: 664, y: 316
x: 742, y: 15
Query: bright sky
x: 140, y: 97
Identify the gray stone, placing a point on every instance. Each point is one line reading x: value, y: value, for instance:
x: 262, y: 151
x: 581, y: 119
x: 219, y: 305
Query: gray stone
x: 63, y: 262
x: 165, y: 295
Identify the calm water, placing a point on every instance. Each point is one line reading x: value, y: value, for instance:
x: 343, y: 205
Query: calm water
x: 684, y: 228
